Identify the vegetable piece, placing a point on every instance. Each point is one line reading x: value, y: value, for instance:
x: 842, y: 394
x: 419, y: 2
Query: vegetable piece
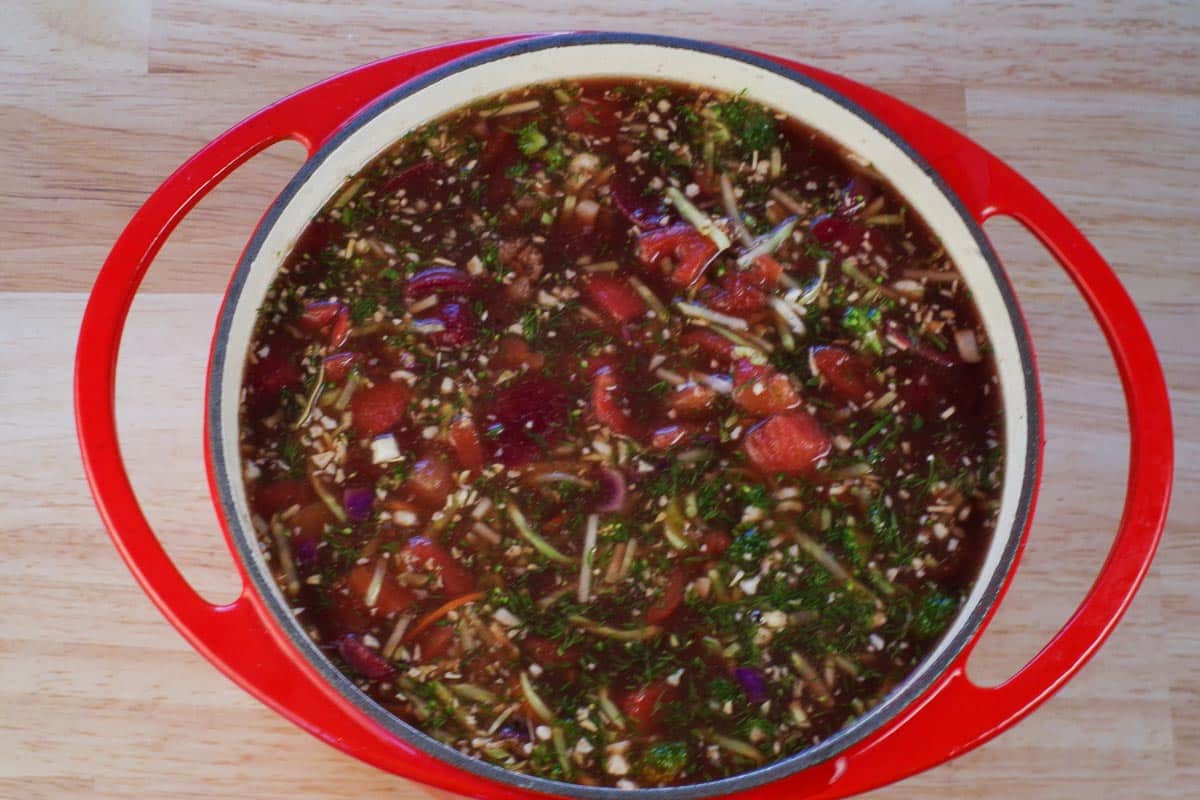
x: 535, y: 701
x: 364, y: 660
x: 530, y: 140
x: 533, y: 537
x: 753, y: 683
x: 669, y: 436
x: 607, y: 398
x: 761, y: 391
x: 452, y: 325
x: 423, y: 556
x: 768, y: 243
x: 358, y: 501
x: 378, y: 409
x: 968, y: 346
x: 644, y: 708
x: 738, y: 747
x: 698, y: 219
x: 614, y: 296
x: 692, y: 401
x: 713, y: 344
x: 792, y: 443
x: 338, y: 365
x: 608, y: 632
x: 441, y: 611
x: 629, y: 197
x: 672, y: 597
x: 326, y: 497
x: 729, y: 200
x: 430, y: 481
x: 442, y: 282
x: 320, y: 315
x: 614, y: 492
x: 708, y: 315
x: 585, y: 560
x: 435, y: 643
x: 663, y: 763
x: 691, y: 251
x: 848, y: 375
x: 464, y: 438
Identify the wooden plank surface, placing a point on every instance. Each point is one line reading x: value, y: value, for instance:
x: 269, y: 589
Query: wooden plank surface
x: 1098, y: 103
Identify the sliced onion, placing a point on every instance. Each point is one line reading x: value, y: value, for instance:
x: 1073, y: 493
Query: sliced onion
x: 614, y: 490
x: 968, y: 346
x: 358, y: 502
x: 753, y: 683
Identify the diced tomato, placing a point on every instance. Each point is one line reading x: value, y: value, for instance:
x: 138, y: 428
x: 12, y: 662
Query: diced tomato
x: 669, y: 436
x: 765, y: 272
x: 269, y: 376
x: 791, y: 443
x: 595, y: 117
x: 392, y: 598
x: 745, y: 370
x: 423, y: 555
x: 338, y: 365
x: 848, y: 375
x: 760, y: 390
x: 738, y: 296
x: 716, y: 543
x: 309, y: 521
x: 319, y: 314
x: 692, y: 401
x: 647, y: 706
x: 691, y: 250
x: 431, y: 481
x: 713, y: 344
x: 547, y: 654
x: 271, y: 498
x: 339, y: 331
x: 435, y: 642
x: 379, y: 408
x: 464, y: 438
x: 672, y: 598
x: 607, y: 396
x: 515, y: 352
x: 614, y: 296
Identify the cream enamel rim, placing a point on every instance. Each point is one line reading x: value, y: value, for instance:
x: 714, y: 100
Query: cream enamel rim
x: 595, y: 55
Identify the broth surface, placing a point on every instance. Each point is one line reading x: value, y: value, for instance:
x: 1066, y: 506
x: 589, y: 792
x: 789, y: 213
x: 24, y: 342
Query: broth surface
x: 621, y: 433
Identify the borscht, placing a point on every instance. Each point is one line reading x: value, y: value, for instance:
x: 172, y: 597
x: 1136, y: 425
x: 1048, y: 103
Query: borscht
x: 621, y: 433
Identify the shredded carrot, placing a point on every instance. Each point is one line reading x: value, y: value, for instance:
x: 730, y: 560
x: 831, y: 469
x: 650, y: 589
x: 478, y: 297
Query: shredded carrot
x: 441, y: 611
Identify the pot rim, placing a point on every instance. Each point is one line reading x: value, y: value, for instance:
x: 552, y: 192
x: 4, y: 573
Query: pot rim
x: 923, y: 676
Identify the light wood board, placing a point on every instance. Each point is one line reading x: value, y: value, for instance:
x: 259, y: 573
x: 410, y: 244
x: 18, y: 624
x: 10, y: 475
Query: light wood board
x: 1099, y: 104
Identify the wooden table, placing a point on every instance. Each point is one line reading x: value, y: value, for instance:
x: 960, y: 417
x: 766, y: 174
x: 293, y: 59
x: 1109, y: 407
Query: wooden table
x: 99, y: 697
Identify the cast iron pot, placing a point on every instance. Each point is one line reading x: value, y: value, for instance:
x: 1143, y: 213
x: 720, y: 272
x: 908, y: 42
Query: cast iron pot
x: 937, y: 712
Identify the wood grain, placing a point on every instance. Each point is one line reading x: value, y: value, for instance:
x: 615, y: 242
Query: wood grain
x: 1098, y: 103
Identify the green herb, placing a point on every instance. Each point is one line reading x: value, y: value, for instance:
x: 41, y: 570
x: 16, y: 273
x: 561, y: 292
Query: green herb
x: 362, y: 308
x: 530, y: 140
x: 517, y: 170
x: 751, y: 125
x: 664, y: 762
x: 749, y: 546
x: 755, y: 495
x: 933, y: 615
x: 531, y: 324
x: 861, y: 321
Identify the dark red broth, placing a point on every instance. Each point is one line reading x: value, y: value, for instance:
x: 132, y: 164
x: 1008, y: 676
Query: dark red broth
x: 621, y: 433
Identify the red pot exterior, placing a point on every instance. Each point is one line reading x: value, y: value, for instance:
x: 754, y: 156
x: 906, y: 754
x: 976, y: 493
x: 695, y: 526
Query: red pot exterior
x: 952, y: 717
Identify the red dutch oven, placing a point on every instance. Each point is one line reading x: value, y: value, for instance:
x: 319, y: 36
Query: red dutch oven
x: 933, y: 715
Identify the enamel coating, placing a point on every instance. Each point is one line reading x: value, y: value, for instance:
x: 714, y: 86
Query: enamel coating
x: 952, y: 716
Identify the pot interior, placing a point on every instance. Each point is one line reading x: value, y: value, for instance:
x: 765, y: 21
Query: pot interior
x: 612, y: 55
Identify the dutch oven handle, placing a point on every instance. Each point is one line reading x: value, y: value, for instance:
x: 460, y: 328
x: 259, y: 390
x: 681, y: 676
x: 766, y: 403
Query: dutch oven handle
x: 958, y: 715
x: 238, y: 638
